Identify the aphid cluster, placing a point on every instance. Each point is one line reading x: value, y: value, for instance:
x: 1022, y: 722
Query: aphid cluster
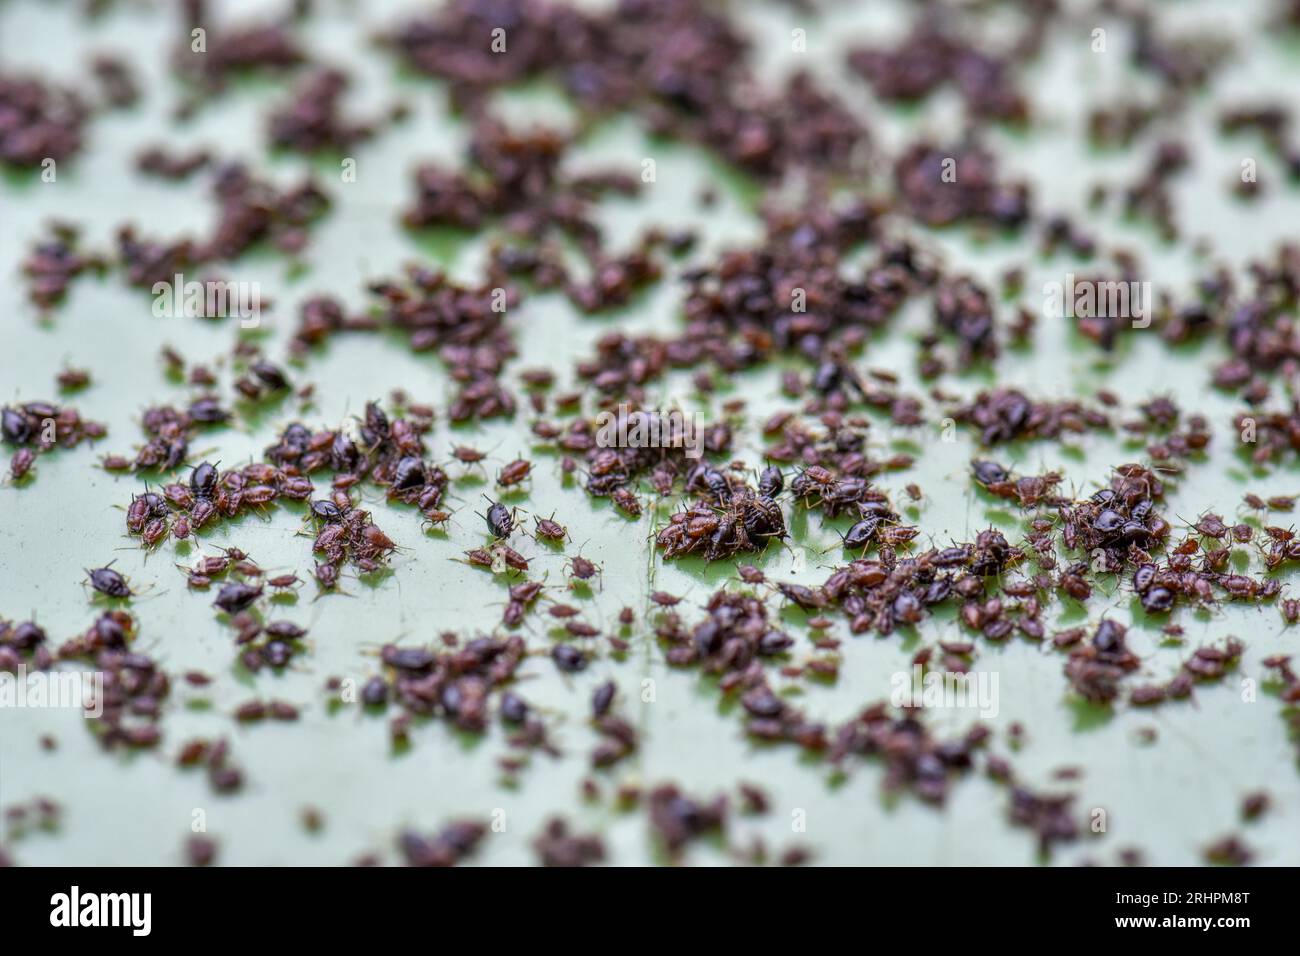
x: 37, y: 427
x: 184, y: 509
x: 1096, y: 668
x: 455, y: 684
x: 914, y: 760
x: 733, y: 518
x: 1007, y: 414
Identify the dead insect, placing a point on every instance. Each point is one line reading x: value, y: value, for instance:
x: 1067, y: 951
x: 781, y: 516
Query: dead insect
x: 511, y: 557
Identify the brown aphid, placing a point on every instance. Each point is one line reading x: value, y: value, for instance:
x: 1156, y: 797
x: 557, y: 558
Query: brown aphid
x: 514, y: 473
x: 467, y: 455
x: 563, y: 611
x: 626, y: 502
x: 20, y: 465
x: 282, y: 581
x: 154, y: 531
x: 582, y: 569
x: 327, y: 576
x: 71, y: 379
x: 551, y: 530
x: 1254, y: 805
x: 664, y: 599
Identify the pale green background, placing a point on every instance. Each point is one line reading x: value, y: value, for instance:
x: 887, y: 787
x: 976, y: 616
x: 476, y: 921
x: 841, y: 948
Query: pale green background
x: 1168, y: 799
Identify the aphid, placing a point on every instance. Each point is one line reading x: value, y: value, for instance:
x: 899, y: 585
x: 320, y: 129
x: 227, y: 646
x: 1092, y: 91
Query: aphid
x: 250, y: 711
x: 15, y: 426
x: 550, y: 529
x: 409, y: 473
x: 862, y: 534
x: 716, y: 482
x: 109, y: 582
x: 514, y: 473
x: 563, y: 610
x: 21, y: 463
x: 602, y: 699
x: 664, y: 599
x: 326, y: 511
x: 805, y: 597
x: 203, y: 480
x: 895, y: 535
x: 467, y: 455
x: 272, y: 376
x: 181, y: 527
x: 285, y: 630
x: 327, y: 576
x: 582, y: 569
x: 988, y: 472
x: 771, y: 482
x: 376, y: 541
x: 626, y: 502
x: 282, y: 581
x: 511, y: 557
x: 568, y: 658
x: 500, y: 519
x: 154, y: 531
x: 235, y: 596
x: 142, y: 508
